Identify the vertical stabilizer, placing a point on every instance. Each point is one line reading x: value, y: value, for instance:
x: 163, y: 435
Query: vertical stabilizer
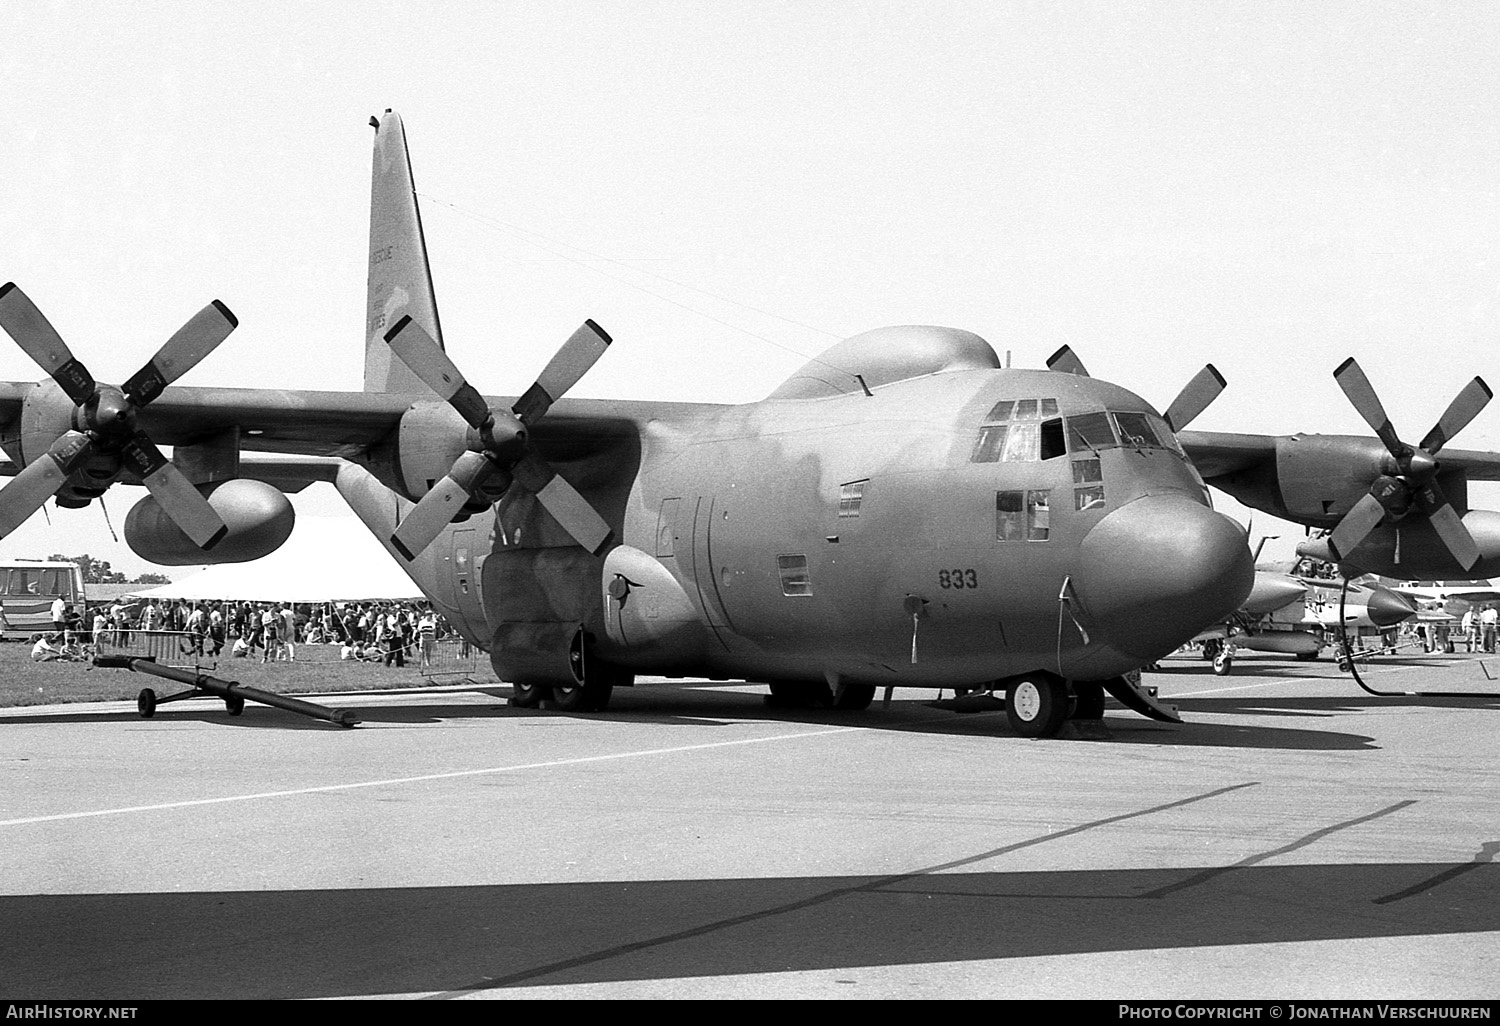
x: 400, y: 280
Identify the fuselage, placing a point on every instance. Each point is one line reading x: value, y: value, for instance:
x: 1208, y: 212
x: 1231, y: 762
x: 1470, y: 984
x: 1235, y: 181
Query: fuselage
x: 952, y: 528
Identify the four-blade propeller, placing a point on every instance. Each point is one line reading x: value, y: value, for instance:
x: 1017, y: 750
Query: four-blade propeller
x: 1415, y: 480
x: 105, y: 419
x: 499, y: 448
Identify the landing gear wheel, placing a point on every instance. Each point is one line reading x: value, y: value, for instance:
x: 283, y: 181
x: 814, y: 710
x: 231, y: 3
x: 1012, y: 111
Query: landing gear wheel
x: 235, y: 704
x: 577, y: 698
x: 1223, y: 663
x: 797, y: 694
x: 145, y: 703
x: 1212, y: 647
x: 528, y: 696
x: 1036, y: 706
x: 853, y: 697
x: 1090, y: 700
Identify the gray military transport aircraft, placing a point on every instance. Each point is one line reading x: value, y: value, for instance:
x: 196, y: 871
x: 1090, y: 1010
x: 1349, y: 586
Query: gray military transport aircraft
x: 903, y: 510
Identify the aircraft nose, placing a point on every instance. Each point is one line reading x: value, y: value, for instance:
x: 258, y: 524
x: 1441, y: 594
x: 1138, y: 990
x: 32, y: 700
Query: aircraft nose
x: 1386, y: 608
x: 1156, y: 571
x: 1273, y: 591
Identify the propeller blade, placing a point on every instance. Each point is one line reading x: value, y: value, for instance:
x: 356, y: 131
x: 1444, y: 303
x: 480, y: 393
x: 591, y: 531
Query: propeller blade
x: 568, y: 507
x: 1464, y: 408
x: 443, y: 501
x: 1357, y: 387
x: 1195, y: 397
x: 182, y: 502
x: 1356, y: 526
x: 420, y: 351
x: 40, y: 479
x: 580, y: 352
x: 1448, y: 525
x: 182, y: 352
x: 1065, y: 362
x: 40, y: 341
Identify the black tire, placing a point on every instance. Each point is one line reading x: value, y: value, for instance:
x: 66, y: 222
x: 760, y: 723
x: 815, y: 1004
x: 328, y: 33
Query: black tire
x: 1223, y: 664
x: 1090, y: 704
x: 529, y: 696
x: 853, y: 697
x: 580, y: 698
x: 798, y: 694
x: 235, y: 704
x: 145, y: 703
x: 1036, y: 706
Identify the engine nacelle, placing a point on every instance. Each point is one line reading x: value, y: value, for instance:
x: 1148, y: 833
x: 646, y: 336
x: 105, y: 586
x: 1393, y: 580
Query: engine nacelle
x: 258, y: 515
x: 1314, y: 479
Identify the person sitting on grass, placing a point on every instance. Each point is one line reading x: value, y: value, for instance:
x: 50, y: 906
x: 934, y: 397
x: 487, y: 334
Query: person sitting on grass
x: 44, y: 651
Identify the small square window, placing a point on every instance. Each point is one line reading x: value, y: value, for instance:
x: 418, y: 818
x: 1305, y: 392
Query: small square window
x: 1087, y: 472
x: 1088, y: 498
x: 794, y: 579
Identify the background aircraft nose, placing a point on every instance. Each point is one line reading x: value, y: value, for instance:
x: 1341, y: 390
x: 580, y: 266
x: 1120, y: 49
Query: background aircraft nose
x: 1158, y: 570
x: 1386, y: 608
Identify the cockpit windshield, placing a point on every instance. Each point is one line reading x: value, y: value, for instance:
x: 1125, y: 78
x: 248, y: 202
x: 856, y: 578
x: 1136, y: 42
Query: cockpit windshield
x: 1027, y: 430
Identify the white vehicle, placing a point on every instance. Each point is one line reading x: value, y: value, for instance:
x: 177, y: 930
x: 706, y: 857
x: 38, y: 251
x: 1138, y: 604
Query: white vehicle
x: 28, y: 587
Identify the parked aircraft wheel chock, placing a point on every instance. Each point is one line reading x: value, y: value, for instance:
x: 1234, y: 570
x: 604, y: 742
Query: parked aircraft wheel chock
x: 1348, y: 661
x: 201, y: 685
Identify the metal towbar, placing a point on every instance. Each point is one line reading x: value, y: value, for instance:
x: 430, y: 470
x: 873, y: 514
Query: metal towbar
x: 234, y: 694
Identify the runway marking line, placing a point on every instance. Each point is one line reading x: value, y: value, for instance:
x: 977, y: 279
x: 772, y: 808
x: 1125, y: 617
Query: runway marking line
x: 453, y: 775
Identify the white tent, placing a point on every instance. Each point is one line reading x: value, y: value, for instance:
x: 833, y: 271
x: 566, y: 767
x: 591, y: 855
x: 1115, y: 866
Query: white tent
x: 326, y: 559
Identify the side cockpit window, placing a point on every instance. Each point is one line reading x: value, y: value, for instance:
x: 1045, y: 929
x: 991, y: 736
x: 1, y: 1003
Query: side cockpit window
x: 1019, y: 431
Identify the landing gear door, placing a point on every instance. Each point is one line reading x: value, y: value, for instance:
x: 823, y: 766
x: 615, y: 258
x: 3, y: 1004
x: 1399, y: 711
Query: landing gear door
x: 468, y: 599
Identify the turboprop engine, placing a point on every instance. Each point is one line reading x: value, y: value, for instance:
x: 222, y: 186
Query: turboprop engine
x: 259, y: 518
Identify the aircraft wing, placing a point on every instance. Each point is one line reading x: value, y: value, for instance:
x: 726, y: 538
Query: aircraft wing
x: 1217, y: 453
x: 309, y: 429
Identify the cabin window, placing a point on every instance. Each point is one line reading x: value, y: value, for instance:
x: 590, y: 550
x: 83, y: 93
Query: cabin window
x: 1023, y: 515
x: 1088, y: 498
x: 1014, y: 432
x: 851, y: 496
x: 794, y: 579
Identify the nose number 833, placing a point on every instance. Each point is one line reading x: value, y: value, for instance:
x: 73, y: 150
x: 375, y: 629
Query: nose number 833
x: 966, y: 578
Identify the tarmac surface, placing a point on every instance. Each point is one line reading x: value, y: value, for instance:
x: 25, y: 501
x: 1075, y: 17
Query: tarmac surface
x: 1295, y: 838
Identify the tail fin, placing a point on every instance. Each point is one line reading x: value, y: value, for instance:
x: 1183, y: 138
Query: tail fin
x: 400, y: 279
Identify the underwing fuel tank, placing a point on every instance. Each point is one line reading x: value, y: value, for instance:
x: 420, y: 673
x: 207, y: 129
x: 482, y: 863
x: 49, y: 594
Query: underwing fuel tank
x: 258, y: 515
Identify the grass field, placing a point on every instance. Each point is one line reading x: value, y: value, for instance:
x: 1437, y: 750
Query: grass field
x: 23, y: 682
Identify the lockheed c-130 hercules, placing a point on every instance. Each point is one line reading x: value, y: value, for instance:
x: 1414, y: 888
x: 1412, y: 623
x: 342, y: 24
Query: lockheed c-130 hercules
x: 902, y: 511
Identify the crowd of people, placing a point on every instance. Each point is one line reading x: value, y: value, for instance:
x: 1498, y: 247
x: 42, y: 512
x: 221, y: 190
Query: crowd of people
x: 388, y: 632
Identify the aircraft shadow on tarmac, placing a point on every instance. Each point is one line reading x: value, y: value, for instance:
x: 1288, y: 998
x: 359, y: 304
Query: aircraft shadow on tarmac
x: 365, y: 942
x: 713, y: 707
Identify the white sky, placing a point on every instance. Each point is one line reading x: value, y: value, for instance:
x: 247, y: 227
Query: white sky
x: 1269, y: 187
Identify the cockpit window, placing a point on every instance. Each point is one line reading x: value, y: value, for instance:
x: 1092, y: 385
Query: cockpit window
x: 1019, y: 431
x: 1135, y: 430
x: 1090, y: 431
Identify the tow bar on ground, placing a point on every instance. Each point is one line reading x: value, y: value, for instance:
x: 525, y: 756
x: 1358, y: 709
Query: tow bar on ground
x: 234, y: 694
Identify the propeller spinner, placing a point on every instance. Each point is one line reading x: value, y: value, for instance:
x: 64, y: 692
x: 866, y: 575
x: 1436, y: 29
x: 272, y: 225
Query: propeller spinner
x: 1415, y: 480
x: 503, y: 453
x: 105, y: 418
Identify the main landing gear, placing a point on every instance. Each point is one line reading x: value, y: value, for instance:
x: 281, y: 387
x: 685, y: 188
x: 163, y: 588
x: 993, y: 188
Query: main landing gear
x: 594, y: 680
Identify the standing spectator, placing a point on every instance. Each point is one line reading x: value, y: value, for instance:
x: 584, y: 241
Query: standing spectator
x: 288, y: 631
x: 427, y: 636
x: 394, y: 640
x: 1487, y: 620
x: 60, y: 617
x: 270, y: 632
